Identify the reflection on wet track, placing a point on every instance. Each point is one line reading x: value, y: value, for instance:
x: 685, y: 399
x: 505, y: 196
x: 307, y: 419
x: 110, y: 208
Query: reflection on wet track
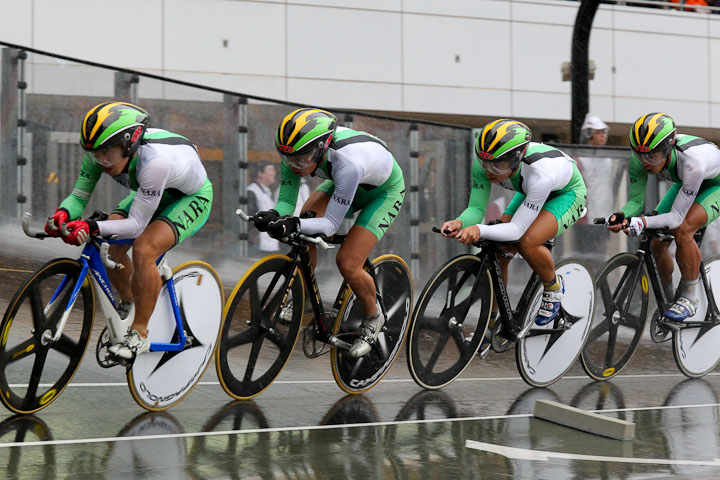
x: 303, y: 426
x: 360, y: 437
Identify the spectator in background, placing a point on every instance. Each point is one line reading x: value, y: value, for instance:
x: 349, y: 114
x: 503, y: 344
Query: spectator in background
x: 600, y: 171
x: 594, y: 131
x: 693, y: 5
x: 262, y: 195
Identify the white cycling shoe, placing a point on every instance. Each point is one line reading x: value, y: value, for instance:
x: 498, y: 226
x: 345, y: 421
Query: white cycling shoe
x: 369, y: 331
x: 132, y: 346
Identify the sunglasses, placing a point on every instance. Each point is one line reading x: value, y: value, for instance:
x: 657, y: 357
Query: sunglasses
x: 496, y: 168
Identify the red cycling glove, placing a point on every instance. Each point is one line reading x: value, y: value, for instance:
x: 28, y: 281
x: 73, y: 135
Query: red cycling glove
x: 52, y: 227
x: 81, y: 231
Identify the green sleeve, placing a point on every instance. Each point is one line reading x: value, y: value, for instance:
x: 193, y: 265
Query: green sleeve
x: 514, y: 204
x: 479, y: 197
x: 76, y: 202
x: 638, y: 183
x: 289, y: 188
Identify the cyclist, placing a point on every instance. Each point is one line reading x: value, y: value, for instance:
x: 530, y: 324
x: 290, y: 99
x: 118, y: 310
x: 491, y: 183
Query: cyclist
x: 550, y: 198
x: 360, y: 175
x: 170, y: 200
x: 693, y: 201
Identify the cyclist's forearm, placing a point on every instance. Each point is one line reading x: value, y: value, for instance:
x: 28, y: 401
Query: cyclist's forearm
x: 472, y: 215
x: 75, y: 203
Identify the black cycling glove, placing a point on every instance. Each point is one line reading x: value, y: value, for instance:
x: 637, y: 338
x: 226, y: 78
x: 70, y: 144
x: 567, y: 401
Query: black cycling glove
x: 263, y: 218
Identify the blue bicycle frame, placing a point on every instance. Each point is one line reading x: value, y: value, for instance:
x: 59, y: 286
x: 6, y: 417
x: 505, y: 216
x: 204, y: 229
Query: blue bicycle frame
x: 91, y: 261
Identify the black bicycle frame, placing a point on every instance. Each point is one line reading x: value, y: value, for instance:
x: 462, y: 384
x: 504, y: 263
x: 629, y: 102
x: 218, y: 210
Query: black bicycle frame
x: 300, y: 255
x: 645, y: 251
x: 489, y: 255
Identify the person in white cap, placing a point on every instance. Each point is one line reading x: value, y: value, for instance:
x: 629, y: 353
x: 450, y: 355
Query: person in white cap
x: 602, y: 189
x: 594, y: 131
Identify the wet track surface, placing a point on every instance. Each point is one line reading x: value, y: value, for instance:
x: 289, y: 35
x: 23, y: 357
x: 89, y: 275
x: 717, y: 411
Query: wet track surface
x: 304, y: 426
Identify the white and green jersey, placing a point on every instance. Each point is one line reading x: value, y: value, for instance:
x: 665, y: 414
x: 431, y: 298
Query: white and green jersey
x: 165, y: 165
x: 355, y: 161
x: 544, y: 173
x: 693, y: 160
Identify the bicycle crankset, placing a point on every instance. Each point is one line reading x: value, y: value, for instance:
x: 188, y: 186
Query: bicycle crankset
x: 310, y: 342
x: 499, y: 343
x: 659, y: 332
x: 104, y: 359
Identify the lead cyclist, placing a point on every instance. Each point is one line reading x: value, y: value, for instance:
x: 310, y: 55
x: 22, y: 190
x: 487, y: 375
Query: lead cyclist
x: 170, y: 200
x: 360, y: 175
x: 692, y: 202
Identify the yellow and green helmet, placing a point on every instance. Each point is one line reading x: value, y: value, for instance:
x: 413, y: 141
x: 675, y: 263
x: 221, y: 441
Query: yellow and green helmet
x: 652, y: 132
x: 114, y: 123
x: 503, y: 140
x: 305, y: 130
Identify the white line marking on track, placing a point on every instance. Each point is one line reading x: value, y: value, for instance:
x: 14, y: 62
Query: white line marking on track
x: 397, y: 380
x: 541, y: 455
x: 314, y: 427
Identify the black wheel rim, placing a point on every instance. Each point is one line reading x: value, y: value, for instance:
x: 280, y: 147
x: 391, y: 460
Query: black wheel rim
x: 33, y: 369
x: 620, y: 316
x: 448, y: 325
x: 256, y: 341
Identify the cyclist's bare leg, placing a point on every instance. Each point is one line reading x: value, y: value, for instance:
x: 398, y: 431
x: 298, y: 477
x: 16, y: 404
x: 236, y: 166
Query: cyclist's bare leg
x: 532, y: 249
x: 121, y: 278
x: 317, y: 202
x: 157, y: 239
x: 688, y: 253
x: 350, y: 260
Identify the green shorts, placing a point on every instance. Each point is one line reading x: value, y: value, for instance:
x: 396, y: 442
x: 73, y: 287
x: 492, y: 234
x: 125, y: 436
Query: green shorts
x: 378, y: 206
x: 708, y: 197
x: 566, y: 208
x: 185, y: 214
x: 566, y: 205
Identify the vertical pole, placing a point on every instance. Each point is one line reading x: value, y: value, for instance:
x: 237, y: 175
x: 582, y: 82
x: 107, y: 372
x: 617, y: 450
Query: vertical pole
x: 8, y: 131
x: 243, y: 171
x: 579, y: 75
x: 347, y: 223
x: 126, y: 86
x: 125, y: 90
x: 414, y: 201
x: 21, y: 161
x: 230, y: 183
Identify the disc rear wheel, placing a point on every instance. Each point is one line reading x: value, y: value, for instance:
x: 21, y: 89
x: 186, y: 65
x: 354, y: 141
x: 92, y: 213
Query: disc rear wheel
x: 695, y: 347
x: 543, y: 358
x: 159, y: 380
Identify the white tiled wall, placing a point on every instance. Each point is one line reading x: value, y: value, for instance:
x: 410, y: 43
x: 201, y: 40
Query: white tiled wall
x: 485, y: 57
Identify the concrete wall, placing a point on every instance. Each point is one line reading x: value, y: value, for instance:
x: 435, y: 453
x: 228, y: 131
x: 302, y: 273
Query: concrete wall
x: 480, y: 57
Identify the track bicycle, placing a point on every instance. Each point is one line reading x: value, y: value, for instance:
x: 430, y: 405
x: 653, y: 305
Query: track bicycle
x: 450, y: 319
x: 623, y: 285
x: 264, y: 315
x: 48, y: 323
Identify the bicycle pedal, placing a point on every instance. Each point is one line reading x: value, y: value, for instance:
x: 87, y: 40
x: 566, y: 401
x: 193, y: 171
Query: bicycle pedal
x: 669, y: 324
x: 113, y: 361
